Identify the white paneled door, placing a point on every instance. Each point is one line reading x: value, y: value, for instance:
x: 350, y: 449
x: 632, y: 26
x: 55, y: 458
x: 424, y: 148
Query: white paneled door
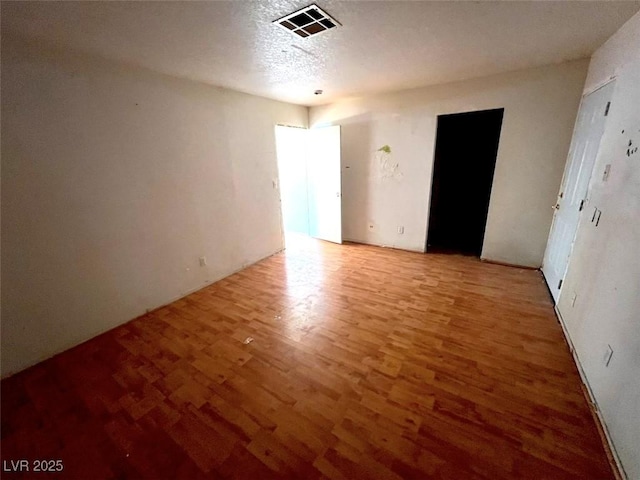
x: 324, y: 183
x: 574, y: 192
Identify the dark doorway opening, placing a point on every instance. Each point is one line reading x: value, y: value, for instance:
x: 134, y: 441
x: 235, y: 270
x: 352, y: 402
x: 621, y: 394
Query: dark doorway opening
x: 465, y: 159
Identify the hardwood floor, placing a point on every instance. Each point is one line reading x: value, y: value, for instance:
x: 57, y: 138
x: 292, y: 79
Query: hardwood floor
x: 328, y: 361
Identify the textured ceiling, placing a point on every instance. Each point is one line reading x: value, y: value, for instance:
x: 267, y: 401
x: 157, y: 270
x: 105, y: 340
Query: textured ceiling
x: 383, y: 45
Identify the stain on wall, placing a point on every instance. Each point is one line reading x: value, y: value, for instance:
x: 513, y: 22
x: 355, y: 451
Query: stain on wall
x: 385, y: 167
x: 632, y: 149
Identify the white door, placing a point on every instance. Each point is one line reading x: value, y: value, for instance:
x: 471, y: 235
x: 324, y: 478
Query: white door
x: 573, y: 197
x: 324, y: 183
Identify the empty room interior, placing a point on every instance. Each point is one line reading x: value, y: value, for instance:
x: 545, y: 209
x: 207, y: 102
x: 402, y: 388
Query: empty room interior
x: 341, y: 239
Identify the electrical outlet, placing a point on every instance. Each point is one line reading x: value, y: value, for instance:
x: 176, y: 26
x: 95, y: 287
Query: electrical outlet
x: 400, y: 230
x: 607, y: 355
x: 203, y: 261
x: 371, y: 226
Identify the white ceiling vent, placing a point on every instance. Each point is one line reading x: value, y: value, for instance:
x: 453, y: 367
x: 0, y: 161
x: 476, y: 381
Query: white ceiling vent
x: 307, y: 22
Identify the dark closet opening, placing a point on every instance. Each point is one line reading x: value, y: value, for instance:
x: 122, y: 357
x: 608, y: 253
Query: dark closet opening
x: 465, y: 159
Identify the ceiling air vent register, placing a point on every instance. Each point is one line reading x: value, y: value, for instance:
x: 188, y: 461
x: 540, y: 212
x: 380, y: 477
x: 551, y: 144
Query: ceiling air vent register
x: 307, y: 22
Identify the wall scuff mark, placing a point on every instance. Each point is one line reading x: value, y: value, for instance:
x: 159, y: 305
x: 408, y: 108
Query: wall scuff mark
x: 631, y: 149
x: 385, y: 167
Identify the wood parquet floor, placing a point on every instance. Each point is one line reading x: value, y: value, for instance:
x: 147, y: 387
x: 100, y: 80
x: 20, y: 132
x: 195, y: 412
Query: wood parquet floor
x: 364, y: 363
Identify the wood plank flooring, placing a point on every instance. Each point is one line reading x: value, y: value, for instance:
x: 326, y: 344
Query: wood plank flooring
x: 325, y: 361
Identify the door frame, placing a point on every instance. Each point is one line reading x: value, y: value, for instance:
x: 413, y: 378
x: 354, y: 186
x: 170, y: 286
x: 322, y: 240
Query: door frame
x: 433, y: 164
x: 309, y: 155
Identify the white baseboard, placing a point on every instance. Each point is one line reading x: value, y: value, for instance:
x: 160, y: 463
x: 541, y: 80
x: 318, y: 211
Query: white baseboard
x: 363, y: 242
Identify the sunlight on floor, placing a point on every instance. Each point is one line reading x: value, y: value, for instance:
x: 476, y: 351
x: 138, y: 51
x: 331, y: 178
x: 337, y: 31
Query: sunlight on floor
x: 305, y: 274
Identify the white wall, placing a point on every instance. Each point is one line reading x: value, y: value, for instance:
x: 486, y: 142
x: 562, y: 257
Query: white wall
x: 114, y: 181
x: 540, y: 108
x: 620, y: 50
x: 604, y: 269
